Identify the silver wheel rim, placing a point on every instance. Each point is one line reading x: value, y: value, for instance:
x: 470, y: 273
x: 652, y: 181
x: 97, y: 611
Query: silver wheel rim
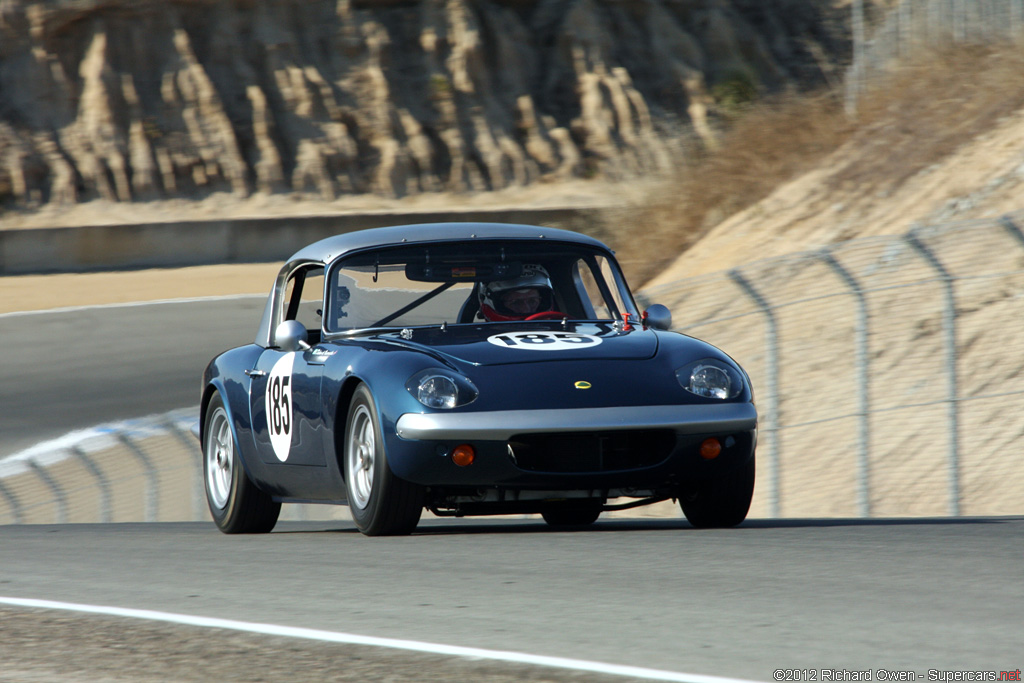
x: 220, y: 458
x: 360, y: 457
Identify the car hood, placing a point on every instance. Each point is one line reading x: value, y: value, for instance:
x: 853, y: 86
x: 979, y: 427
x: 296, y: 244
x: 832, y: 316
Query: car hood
x: 519, y: 343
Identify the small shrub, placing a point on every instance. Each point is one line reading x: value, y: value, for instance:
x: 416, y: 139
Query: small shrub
x: 735, y: 92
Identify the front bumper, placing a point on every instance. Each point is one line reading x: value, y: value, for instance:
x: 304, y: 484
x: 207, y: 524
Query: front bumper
x: 655, y: 448
x: 501, y: 425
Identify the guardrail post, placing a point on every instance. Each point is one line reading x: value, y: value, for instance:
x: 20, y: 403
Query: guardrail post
x: 189, y: 443
x: 863, y: 385
x: 58, y: 492
x: 959, y: 21
x: 772, y: 392
x: 152, y: 494
x: 936, y: 30
x: 1012, y: 227
x: 12, y: 501
x: 855, y: 74
x: 949, y: 325
x: 106, y: 497
x: 904, y: 29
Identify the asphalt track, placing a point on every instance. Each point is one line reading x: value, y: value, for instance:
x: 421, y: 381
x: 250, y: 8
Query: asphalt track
x: 907, y: 595
x: 816, y: 595
x: 73, y: 369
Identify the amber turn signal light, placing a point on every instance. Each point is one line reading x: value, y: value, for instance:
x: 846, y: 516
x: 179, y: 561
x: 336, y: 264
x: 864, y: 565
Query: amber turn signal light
x: 464, y: 455
x: 710, y: 448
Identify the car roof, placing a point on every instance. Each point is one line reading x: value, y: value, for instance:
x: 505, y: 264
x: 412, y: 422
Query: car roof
x: 330, y: 248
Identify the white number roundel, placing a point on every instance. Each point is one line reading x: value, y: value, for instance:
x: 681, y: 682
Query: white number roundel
x: 279, y: 406
x: 544, y: 341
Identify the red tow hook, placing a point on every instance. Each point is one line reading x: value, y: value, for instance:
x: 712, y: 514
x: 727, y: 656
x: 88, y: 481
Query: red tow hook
x: 626, y: 327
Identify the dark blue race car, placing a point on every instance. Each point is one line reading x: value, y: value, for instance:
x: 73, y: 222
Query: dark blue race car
x: 470, y: 369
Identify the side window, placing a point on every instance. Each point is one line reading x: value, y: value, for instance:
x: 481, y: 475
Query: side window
x: 304, y: 298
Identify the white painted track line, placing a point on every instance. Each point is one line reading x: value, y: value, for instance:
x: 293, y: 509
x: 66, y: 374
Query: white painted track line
x: 354, y: 639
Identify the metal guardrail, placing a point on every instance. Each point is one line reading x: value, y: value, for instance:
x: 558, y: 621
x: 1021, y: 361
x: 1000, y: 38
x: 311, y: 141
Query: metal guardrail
x: 913, y: 24
x: 888, y: 371
x: 142, y: 470
x: 133, y: 470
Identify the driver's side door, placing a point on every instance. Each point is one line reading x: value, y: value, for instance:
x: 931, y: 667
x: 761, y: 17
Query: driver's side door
x: 284, y: 390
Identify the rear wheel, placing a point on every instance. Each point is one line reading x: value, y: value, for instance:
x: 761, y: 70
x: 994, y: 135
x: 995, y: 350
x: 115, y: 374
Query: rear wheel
x: 572, y: 514
x: 381, y: 503
x: 237, y: 506
x: 721, y: 502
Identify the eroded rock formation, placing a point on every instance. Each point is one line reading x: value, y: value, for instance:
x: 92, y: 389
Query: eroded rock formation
x: 138, y: 99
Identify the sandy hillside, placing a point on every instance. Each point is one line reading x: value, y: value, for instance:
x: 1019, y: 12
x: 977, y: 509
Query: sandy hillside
x: 939, y: 139
x: 984, y: 177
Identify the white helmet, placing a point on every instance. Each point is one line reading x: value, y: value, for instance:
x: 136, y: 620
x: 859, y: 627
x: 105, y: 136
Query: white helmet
x: 492, y: 295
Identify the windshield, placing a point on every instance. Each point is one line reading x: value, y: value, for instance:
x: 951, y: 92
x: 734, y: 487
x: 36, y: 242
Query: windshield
x: 481, y: 282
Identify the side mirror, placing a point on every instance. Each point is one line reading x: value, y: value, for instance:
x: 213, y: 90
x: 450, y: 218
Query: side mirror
x: 291, y: 336
x: 658, y: 317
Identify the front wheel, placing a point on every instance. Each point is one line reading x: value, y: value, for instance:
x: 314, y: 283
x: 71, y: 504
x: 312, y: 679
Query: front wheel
x: 721, y: 502
x: 381, y: 503
x: 237, y: 506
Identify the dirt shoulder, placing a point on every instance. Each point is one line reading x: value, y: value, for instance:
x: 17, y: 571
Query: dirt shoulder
x: 80, y: 647
x: 43, y: 292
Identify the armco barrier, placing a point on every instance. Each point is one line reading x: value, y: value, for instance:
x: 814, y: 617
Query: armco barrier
x: 144, y: 470
x: 244, y: 240
x: 888, y: 371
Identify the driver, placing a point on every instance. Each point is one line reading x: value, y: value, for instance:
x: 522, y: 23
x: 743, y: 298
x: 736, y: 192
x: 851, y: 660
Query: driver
x: 517, y: 299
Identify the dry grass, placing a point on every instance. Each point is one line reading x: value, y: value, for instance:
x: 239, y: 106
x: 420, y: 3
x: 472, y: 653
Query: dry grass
x: 920, y: 113
x: 929, y: 107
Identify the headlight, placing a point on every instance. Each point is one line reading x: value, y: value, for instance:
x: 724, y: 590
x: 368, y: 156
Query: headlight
x: 437, y: 389
x: 711, y: 378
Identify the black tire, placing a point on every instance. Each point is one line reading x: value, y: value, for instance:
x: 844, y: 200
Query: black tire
x: 381, y: 503
x: 237, y: 506
x: 721, y: 502
x: 572, y: 514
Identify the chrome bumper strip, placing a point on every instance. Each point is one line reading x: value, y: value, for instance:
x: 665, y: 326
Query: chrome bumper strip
x: 499, y: 425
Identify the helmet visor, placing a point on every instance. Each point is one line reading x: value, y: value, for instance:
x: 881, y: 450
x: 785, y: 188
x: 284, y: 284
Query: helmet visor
x: 523, y: 302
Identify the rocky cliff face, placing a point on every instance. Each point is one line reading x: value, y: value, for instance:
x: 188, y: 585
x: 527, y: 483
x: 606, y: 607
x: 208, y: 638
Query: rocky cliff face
x: 138, y: 99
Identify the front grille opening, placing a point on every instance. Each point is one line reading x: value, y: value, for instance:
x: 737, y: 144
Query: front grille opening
x: 591, y: 451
